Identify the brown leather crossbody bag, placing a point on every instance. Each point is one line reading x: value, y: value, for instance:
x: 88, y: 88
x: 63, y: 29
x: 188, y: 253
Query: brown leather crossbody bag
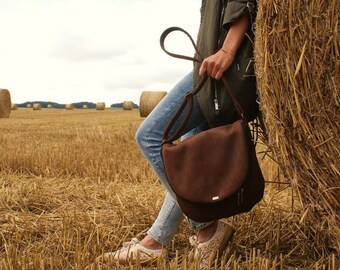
x: 214, y: 174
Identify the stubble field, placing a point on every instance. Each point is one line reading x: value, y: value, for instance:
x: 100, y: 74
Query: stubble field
x: 73, y: 184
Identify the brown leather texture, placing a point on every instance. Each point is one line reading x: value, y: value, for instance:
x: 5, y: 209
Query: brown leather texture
x: 215, y: 174
x: 210, y: 166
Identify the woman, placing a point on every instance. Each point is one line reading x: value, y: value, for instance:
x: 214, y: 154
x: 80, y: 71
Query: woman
x: 223, y: 29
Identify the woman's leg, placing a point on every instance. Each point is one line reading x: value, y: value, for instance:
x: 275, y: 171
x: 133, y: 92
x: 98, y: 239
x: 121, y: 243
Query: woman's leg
x: 170, y: 217
x: 167, y: 222
x: 149, y: 137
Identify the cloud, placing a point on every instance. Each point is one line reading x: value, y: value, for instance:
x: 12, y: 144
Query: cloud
x: 65, y: 50
x: 76, y: 48
x: 146, y: 79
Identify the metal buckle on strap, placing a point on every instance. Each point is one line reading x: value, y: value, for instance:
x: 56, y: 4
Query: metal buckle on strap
x: 251, y: 6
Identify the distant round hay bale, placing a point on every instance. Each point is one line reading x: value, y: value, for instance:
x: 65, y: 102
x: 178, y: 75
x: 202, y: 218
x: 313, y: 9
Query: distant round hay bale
x: 36, y: 106
x: 29, y: 105
x: 50, y: 106
x: 5, y: 103
x: 100, y: 106
x: 14, y: 106
x: 84, y: 106
x: 127, y: 105
x: 69, y: 106
x: 297, y: 68
x: 149, y: 100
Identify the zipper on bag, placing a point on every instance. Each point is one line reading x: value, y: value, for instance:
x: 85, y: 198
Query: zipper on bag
x: 216, y: 104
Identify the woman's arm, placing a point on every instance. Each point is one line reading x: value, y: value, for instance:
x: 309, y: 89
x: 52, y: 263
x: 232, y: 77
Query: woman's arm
x: 216, y: 64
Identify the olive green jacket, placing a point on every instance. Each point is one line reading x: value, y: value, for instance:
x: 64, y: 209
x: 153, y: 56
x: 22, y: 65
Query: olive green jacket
x: 216, y: 18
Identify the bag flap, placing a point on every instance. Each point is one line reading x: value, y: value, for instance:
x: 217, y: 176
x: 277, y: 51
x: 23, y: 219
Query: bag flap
x: 209, y: 166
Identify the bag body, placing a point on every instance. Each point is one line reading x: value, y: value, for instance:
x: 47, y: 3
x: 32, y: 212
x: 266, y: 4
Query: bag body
x: 215, y: 174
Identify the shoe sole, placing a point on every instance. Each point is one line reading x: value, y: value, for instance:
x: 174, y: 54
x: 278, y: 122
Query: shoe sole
x: 127, y: 261
x: 140, y: 262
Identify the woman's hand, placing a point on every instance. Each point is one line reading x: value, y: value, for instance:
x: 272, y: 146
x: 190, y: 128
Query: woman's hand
x: 215, y: 65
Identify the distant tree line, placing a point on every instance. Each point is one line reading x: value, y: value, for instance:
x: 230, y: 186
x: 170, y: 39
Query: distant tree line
x: 120, y: 105
x: 77, y: 105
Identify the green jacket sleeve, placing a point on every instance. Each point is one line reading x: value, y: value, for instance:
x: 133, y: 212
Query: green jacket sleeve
x: 238, y: 8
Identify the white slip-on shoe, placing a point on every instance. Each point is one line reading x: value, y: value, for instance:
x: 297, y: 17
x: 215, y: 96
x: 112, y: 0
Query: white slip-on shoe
x: 207, y: 251
x: 132, y: 252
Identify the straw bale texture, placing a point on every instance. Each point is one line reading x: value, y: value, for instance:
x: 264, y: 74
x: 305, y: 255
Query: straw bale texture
x: 148, y: 101
x: 127, y: 105
x: 14, y: 106
x: 69, y: 106
x: 5, y: 103
x: 36, y: 106
x: 297, y: 52
x: 100, y: 106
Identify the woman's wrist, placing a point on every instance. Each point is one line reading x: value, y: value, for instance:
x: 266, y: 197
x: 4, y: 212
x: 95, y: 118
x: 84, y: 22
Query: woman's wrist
x: 228, y: 52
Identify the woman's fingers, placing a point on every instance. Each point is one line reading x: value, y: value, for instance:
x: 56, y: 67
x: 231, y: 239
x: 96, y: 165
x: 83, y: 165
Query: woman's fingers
x: 215, y: 65
x: 203, y: 70
x: 208, y: 68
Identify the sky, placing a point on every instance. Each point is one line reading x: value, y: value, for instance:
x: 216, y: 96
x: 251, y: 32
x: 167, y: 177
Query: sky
x: 69, y: 51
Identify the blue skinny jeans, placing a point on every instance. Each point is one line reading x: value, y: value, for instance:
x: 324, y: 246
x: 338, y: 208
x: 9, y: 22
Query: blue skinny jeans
x: 149, y: 137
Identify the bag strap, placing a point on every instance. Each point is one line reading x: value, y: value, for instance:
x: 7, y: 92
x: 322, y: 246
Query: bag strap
x: 189, y: 96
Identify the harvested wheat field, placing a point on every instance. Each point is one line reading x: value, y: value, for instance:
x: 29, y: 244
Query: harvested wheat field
x: 74, y: 185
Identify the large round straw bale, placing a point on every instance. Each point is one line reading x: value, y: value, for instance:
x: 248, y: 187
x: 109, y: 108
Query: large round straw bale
x: 14, y: 106
x: 149, y: 100
x: 127, y: 105
x: 84, y: 106
x: 298, y: 74
x: 5, y: 103
x: 36, y: 106
x: 50, y: 106
x: 69, y: 106
x: 100, y: 106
